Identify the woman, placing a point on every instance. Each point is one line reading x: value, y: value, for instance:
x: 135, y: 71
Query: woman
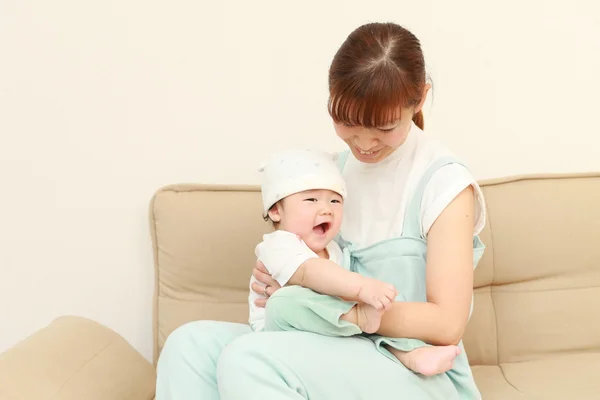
x: 413, y: 212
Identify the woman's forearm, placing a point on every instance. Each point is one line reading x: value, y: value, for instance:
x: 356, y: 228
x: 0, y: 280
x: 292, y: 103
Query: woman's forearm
x: 425, y: 321
x: 449, y: 279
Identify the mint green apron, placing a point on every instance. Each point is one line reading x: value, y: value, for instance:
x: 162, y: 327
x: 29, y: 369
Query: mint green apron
x: 213, y: 360
x: 399, y: 261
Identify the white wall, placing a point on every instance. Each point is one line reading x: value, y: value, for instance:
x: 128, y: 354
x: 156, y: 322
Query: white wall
x: 103, y: 102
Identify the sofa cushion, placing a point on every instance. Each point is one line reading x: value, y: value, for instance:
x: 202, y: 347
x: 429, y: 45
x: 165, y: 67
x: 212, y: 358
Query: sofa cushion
x: 557, y: 377
x: 203, y: 239
x: 539, y: 284
x: 493, y: 385
x: 75, y: 358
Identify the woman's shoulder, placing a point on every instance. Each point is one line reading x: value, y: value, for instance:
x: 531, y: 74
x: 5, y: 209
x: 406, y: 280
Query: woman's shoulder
x: 429, y: 148
x: 445, y: 184
x: 430, y: 152
x: 449, y: 176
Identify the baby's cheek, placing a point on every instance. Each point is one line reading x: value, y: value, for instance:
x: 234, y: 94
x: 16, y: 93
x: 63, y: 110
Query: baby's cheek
x: 302, y: 226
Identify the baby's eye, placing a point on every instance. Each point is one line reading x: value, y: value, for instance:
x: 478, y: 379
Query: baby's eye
x: 335, y: 201
x: 312, y: 199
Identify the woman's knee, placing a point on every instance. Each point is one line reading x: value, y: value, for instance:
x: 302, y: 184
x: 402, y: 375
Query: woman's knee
x: 182, y: 338
x: 250, y: 367
x: 201, y: 338
x: 243, y: 354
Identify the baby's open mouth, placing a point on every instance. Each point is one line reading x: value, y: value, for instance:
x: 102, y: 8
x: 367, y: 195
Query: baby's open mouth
x: 322, y: 229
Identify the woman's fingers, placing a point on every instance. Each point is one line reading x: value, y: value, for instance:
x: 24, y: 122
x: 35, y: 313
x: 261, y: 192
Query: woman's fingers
x: 265, y: 278
x: 262, y: 275
x: 261, y: 302
x: 261, y: 267
x: 260, y: 289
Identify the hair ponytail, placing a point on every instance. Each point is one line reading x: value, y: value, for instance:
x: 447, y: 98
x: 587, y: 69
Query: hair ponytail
x: 419, y: 120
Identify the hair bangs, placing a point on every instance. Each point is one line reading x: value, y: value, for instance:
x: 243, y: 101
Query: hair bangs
x: 371, y: 99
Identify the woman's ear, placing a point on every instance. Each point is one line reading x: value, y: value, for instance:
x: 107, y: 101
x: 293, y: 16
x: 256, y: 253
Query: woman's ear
x: 419, y: 106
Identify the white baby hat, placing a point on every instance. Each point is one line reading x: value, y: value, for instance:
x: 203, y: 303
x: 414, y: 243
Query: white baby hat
x: 296, y: 170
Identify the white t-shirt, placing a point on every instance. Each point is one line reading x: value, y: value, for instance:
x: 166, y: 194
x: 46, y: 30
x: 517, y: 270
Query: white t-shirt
x: 282, y: 253
x: 378, y: 194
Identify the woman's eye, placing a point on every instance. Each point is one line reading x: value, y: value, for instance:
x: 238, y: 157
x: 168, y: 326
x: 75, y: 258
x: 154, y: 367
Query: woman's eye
x: 348, y: 125
x: 387, y: 130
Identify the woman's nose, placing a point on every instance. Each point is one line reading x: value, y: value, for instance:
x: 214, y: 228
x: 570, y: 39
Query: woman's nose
x: 365, y: 142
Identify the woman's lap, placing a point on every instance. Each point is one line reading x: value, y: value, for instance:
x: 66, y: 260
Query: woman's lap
x: 283, y: 365
x: 188, y: 362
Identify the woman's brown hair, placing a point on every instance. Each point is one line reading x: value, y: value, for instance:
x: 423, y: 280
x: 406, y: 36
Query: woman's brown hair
x: 379, y: 69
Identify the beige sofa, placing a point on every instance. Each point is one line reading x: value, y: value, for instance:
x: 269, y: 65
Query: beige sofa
x: 534, y: 334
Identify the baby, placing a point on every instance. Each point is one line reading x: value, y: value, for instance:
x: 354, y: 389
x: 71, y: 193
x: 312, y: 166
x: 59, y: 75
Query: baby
x: 303, y: 194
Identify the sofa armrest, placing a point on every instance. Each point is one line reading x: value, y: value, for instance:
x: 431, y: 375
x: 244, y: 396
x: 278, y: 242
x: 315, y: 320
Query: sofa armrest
x: 72, y: 359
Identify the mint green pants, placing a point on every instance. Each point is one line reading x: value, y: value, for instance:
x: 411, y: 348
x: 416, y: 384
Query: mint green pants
x: 295, y: 308
x: 212, y: 360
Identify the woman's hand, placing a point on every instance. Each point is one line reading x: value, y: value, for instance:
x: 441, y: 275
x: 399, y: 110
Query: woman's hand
x: 262, y: 275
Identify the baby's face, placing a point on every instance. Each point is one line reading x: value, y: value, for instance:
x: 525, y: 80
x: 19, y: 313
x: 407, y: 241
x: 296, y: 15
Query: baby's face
x: 314, y: 215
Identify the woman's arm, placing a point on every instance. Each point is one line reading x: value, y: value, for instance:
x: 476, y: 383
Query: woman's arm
x: 443, y: 318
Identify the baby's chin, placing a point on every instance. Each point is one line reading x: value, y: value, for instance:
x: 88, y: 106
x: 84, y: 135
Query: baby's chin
x: 318, y: 244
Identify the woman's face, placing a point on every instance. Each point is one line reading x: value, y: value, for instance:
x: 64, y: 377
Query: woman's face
x: 372, y: 145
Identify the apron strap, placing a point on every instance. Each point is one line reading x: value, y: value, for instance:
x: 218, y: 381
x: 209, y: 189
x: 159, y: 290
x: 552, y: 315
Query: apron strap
x: 412, y: 217
x: 342, y: 157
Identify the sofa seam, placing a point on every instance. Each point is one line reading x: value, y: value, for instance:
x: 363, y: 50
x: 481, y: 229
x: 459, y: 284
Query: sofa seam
x: 507, y: 381
x: 492, y: 283
x: 155, y: 307
x: 183, y: 187
x: 80, y: 369
x: 538, y: 177
x: 492, y: 291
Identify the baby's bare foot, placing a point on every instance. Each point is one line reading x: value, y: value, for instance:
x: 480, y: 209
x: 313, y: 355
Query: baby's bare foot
x: 368, y: 318
x: 428, y: 361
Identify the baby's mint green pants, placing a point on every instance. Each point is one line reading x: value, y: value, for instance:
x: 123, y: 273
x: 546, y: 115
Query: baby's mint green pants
x: 295, y: 308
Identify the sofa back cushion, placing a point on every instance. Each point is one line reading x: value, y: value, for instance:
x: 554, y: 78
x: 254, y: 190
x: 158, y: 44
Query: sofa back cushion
x: 538, y: 285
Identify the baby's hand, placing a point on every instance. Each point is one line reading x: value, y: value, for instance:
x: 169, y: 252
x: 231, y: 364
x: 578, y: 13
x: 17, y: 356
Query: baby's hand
x: 378, y: 294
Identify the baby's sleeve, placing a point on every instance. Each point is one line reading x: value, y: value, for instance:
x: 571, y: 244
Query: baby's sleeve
x: 282, y: 253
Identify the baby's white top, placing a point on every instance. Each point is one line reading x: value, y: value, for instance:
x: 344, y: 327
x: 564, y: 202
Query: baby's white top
x: 282, y: 253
